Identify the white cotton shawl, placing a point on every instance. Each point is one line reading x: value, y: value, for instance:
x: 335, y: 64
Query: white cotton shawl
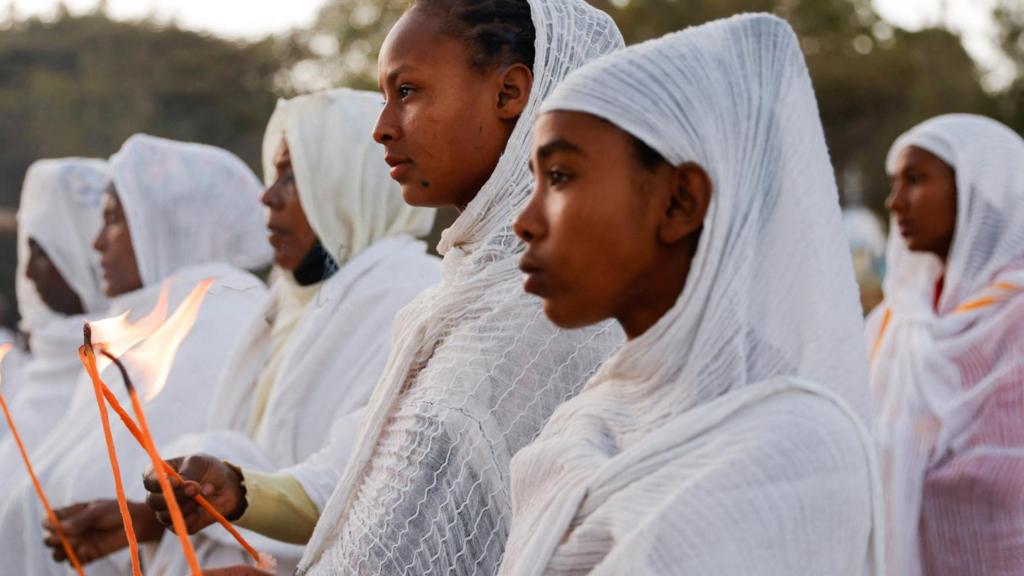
x: 337, y: 349
x: 181, y: 221
x: 60, y: 209
x: 475, y: 370
x: 729, y: 438
x: 947, y: 382
x: 72, y: 460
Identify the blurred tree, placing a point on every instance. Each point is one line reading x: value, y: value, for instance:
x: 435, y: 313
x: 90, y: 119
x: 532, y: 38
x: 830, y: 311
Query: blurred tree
x: 1009, y: 19
x: 81, y: 85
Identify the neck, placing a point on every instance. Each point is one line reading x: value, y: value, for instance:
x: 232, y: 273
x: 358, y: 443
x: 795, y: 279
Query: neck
x: 316, y: 266
x: 656, y: 293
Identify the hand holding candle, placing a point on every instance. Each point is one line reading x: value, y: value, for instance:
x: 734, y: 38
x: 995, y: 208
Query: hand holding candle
x: 95, y: 529
x: 200, y: 475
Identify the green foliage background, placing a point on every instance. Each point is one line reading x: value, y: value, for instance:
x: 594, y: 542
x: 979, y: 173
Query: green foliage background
x: 80, y: 85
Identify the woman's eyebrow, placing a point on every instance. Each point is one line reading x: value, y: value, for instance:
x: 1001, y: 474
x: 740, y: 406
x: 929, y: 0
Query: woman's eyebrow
x: 559, y: 145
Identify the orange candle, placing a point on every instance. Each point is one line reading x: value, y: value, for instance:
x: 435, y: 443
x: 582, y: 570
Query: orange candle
x: 177, y: 520
x: 203, y: 502
x: 68, y: 550
x: 85, y: 353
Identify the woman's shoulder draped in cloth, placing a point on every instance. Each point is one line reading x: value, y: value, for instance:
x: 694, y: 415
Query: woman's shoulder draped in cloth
x: 729, y: 438
x: 215, y: 205
x: 335, y: 351
x: 474, y: 371
x: 946, y: 379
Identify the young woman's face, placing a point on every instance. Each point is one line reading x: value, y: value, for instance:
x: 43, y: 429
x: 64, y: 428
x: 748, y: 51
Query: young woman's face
x: 288, y: 230
x: 923, y: 200
x: 606, y: 236
x: 444, y: 123
x: 53, y: 289
x: 117, y: 256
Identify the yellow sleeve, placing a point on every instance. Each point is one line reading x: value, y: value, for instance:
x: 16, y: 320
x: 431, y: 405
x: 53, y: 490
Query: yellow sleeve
x: 278, y: 507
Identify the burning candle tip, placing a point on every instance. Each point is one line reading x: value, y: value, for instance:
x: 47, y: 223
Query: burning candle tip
x: 87, y: 333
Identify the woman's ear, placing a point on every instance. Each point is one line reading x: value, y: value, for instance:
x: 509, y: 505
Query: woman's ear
x: 514, y: 83
x: 688, y: 201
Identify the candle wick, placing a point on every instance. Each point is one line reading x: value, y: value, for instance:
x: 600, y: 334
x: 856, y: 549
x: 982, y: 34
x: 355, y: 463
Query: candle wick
x: 124, y: 372
x: 87, y: 333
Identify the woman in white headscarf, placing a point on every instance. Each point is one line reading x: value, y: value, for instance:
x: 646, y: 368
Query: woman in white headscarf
x: 947, y: 351
x: 177, y: 214
x: 475, y: 368
x: 684, y: 188
x: 58, y: 284
x: 314, y: 352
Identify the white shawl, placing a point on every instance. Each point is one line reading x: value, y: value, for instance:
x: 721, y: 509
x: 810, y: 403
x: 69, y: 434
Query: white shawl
x: 60, y: 209
x: 337, y: 351
x: 730, y: 437
x: 947, y: 383
x: 72, y: 461
x: 474, y: 372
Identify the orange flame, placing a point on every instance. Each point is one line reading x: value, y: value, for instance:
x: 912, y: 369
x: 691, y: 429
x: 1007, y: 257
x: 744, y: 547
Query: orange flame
x: 117, y: 335
x: 154, y: 357
x: 4, y: 349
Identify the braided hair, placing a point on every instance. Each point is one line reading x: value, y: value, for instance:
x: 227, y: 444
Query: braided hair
x: 498, y: 32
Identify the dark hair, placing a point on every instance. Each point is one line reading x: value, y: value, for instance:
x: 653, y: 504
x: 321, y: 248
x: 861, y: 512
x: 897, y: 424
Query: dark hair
x: 648, y: 157
x: 497, y: 32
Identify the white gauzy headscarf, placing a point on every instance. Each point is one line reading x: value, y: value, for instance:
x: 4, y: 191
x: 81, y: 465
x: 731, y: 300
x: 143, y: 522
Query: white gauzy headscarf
x: 947, y: 382
x: 168, y: 229
x: 330, y: 360
x: 729, y: 438
x: 474, y: 372
x: 337, y: 166
x: 60, y: 209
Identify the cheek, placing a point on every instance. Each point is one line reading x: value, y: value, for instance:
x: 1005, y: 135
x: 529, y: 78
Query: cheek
x: 596, y: 250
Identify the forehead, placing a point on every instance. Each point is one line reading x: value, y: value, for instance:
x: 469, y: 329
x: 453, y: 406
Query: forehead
x: 417, y: 42
x: 919, y: 158
x: 589, y: 133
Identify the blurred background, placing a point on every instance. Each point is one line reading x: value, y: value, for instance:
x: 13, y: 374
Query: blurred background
x: 78, y: 77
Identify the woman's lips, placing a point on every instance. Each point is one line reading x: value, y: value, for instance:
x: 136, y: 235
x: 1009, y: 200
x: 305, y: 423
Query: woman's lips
x: 534, y: 282
x: 400, y: 166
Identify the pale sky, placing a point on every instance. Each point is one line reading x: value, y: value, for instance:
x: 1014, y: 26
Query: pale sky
x: 255, y: 18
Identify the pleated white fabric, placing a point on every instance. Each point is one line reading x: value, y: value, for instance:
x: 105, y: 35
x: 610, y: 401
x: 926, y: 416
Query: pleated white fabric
x: 730, y: 438
x: 947, y: 381
x: 60, y: 209
x: 72, y: 461
x: 474, y: 372
x: 336, y: 351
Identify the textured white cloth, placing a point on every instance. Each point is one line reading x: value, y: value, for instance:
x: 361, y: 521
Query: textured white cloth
x: 729, y: 438
x: 72, y: 460
x: 474, y: 372
x: 60, y: 209
x: 203, y: 209
x: 336, y: 352
x: 947, y: 381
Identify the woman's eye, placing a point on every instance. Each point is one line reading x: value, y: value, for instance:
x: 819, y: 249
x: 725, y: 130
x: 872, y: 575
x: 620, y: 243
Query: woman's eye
x: 556, y: 177
x: 404, y: 90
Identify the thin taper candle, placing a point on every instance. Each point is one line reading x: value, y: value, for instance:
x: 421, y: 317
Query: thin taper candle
x: 177, y: 519
x: 85, y: 353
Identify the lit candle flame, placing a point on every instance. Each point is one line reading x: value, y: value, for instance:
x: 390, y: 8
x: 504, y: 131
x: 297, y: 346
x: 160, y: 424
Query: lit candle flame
x: 118, y: 334
x: 153, y: 339
x: 154, y: 357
